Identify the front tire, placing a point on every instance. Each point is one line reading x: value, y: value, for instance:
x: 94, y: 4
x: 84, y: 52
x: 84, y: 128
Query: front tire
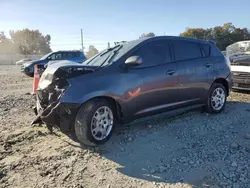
x: 95, y: 122
x: 217, y: 98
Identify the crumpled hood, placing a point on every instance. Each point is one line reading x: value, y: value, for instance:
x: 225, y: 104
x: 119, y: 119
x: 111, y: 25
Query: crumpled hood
x: 52, y: 67
x: 63, y: 70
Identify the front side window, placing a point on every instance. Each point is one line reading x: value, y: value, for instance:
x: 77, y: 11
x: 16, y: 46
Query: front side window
x: 186, y: 50
x: 154, y: 53
x: 58, y: 56
x: 52, y: 57
x: 65, y: 55
x: 55, y: 56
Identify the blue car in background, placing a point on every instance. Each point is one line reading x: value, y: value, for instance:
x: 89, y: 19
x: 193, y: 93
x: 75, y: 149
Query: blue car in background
x: 73, y: 56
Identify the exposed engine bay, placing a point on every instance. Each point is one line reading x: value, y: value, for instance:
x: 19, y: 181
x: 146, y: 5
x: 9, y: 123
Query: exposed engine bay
x: 53, y: 83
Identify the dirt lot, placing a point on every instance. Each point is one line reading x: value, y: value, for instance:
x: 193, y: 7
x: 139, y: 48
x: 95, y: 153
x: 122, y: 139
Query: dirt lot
x: 190, y: 150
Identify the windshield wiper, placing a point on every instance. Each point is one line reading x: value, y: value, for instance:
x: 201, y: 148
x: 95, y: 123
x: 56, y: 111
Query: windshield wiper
x: 111, y: 55
x: 103, y: 53
x: 109, y: 49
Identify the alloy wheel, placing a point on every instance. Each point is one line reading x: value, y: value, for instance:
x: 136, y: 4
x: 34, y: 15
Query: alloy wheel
x: 102, y: 123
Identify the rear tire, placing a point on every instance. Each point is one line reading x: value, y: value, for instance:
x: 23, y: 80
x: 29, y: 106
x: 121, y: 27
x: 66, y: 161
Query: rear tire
x: 91, y: 126
x: 217, y: 98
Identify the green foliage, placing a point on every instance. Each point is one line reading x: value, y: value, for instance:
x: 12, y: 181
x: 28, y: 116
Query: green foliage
x: 30, y: 42
x: 223, y: 35
x: 144, y: 35
x: 25, y: 42
x: 6, y: 45
x: 92, y: 51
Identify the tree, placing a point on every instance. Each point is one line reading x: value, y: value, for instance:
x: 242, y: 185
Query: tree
x: 30, y: 42
x: 144, y: 35
x: 6, y: 46
x: 92, y: 51
x: 223, y: 35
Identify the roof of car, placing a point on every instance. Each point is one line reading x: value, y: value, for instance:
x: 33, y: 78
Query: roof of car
x: 172, y: 38
x: 131, y: 44
x: 68, y: 51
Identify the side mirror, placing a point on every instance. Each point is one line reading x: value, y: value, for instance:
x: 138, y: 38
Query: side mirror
x: 133, y: 61
x: 48, y: 58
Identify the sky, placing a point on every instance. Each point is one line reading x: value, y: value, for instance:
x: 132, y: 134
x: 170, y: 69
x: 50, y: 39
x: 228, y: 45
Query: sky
x: 104, y: 21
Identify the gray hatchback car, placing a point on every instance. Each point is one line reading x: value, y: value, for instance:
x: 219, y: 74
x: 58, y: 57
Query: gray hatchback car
x: 129, y: 81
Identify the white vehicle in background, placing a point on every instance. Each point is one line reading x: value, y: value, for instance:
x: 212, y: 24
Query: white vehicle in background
x: 22, y: 61
x: 239, y: 56
x: 224, y: 53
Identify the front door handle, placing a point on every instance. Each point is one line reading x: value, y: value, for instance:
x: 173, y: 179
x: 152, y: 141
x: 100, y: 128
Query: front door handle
x: 170, y: 72
x: 208, y: 65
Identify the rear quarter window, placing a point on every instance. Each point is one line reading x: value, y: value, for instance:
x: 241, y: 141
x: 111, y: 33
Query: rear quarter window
x: 205, y: 50
x: 215, y: 51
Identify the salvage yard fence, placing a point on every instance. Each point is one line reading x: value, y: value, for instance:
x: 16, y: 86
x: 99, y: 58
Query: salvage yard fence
x: 10, y: 59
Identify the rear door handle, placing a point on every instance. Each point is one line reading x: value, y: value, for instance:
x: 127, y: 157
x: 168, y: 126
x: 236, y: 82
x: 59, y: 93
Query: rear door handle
x: 208, y: 65
x: 170, y: 72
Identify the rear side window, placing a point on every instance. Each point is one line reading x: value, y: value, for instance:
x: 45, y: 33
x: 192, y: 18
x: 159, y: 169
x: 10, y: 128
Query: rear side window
x: 154, y: 53
x: 76, y: 54
x: 186, y: 50
x: 69, y: 55
x: 65, y: 55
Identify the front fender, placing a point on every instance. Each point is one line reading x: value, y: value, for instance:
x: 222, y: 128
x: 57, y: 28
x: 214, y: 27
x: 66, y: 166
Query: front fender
x: 68, y: 98
x: 83, y: 89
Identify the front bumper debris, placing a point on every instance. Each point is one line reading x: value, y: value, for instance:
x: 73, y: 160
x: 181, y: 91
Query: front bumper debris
x: 47, y: 116
x: 57, y: 114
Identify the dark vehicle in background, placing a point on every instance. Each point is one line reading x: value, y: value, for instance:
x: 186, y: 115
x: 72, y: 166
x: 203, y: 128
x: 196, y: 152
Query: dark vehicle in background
x: 132, y: 80
x: 74, y: 56
x: 241, y: 73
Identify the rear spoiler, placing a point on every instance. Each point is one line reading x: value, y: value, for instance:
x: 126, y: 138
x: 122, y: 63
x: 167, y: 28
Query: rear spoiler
x: 212, y: 42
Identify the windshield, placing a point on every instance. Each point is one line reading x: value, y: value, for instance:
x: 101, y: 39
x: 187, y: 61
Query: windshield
x: 102, y: 57
x: 47, y: 55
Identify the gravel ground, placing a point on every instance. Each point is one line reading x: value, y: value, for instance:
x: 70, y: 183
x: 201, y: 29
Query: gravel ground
x: 190, y: 150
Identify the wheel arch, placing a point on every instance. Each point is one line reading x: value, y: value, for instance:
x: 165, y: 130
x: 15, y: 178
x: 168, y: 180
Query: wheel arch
x: 222, y: 81
x: 117, y: 106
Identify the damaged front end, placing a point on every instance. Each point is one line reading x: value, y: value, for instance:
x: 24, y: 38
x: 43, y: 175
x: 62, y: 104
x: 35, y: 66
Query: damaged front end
x: 52, y: 86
